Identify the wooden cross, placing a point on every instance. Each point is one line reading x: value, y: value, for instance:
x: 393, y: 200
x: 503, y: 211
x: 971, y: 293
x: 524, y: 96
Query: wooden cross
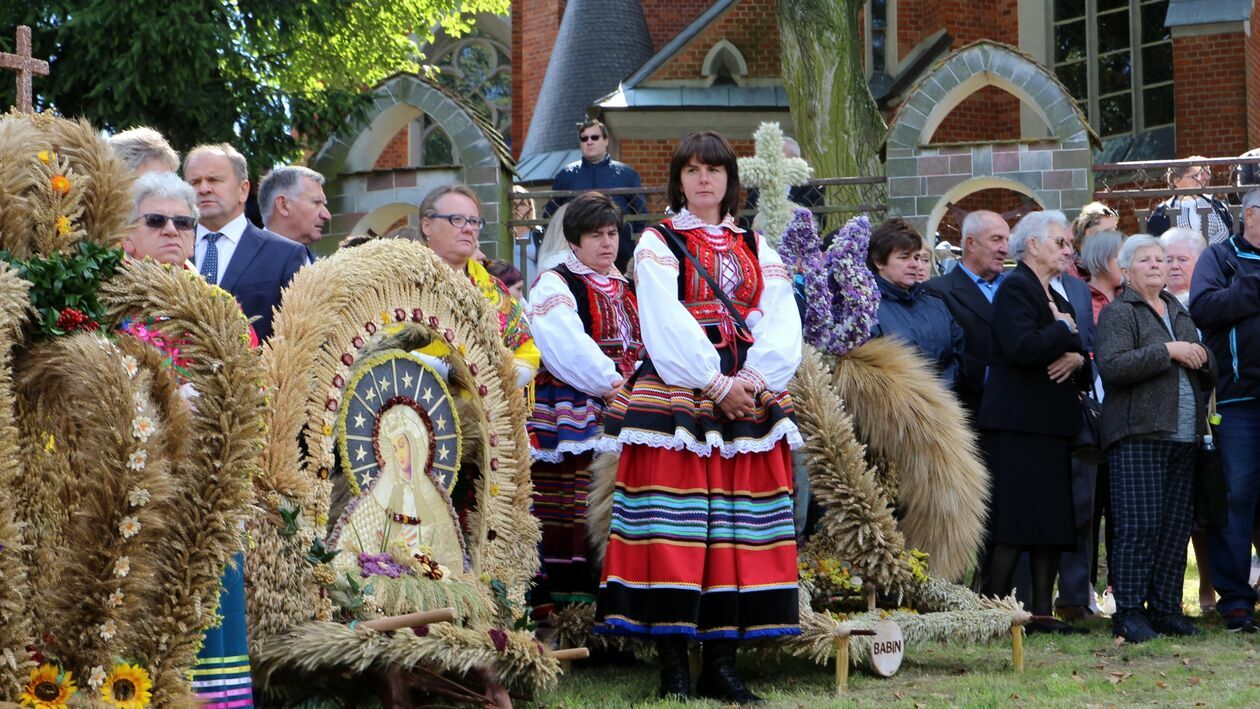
x: 25, y: 66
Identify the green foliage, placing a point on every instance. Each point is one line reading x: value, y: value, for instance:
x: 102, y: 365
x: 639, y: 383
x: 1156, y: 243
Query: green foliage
x: 61, y: 282
x: 250, y: 72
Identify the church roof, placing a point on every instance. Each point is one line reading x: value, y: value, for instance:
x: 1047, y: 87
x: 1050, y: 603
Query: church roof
x: 1204, y: 12
x: 677, y: 43
x: 600, y: 42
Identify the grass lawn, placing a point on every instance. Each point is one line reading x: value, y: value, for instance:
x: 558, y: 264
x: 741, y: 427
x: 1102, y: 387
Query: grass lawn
x: 1218, y: 669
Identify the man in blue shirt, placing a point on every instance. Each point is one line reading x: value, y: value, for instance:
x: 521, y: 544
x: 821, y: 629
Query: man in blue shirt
x: 598, y: 171
x: 968, y: 292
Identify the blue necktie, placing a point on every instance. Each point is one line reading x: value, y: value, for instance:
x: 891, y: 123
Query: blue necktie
x: 210, y: 263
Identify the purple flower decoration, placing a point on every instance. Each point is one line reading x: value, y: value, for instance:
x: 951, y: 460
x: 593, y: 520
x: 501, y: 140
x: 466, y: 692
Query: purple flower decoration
x: 379, y: 565
x: 499, y: 638
x: 841, y: 297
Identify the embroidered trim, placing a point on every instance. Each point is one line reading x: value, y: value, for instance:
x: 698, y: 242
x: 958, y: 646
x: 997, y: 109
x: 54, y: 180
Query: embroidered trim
x: 598, y: 444
x: 555, y: 301
x: 718, y: 387
x: 578, y: 268
x: 752, y: 376
x: 776, y: 270
x: 664, y: 261
x: 683, y: 440
x: 686, y: 219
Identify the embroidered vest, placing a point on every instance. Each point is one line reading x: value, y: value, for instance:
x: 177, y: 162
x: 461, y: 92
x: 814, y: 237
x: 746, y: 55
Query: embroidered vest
x: 599, y: 311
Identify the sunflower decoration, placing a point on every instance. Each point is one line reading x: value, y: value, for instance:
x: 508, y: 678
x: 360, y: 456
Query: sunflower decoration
x: 48, y: 687
x: 127, y: 687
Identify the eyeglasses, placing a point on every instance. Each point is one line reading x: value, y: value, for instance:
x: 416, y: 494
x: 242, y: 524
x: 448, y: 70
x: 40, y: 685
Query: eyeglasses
x: 591, y: 138
x: 153, y: 220
x: 458, y: 220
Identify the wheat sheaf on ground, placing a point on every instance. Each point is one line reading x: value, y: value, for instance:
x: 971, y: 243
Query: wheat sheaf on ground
x: 908, y: 419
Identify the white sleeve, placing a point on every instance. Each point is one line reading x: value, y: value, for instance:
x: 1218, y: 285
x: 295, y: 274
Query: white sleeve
x: 776, y: 329
x: 675, y: 342
x: 567, y: 350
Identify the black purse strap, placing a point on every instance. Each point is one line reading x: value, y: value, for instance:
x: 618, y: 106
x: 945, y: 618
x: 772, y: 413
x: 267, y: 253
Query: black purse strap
x: 680, y: 245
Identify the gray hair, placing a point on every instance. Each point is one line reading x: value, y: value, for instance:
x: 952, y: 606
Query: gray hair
x: 973, y: 224
x: 138, y: 146
x: 239, y: 166
x: 1033, y: 226
x: 1099, y: 249
x: 1182, y: 235
x: 1132, y: 245
x: 162, y: 185
x: 793, y: 147
x: 285, y: 181
x: 1251, y: 199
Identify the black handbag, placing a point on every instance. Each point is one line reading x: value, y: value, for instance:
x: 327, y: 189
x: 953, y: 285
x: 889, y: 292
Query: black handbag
x: 1211, y: 498
x: 1087, y: 444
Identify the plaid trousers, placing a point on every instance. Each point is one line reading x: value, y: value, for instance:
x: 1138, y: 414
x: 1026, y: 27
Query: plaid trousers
x: 1152, y: 509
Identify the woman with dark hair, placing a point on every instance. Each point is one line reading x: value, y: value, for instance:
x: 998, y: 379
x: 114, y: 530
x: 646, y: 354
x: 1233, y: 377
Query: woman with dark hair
x: 509, y: 276
x: 585, y: 321
x: 907, y: 311
x: 702, y: 543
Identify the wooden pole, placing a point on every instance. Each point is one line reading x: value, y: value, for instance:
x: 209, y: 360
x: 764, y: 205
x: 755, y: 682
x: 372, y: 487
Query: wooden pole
x: 842, y: 664
x: 1017, y: 647
x: 573, y: 653
x: 410, y: 620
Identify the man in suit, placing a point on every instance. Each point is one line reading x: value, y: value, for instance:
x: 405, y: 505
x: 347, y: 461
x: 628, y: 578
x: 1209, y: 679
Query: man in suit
x: 968, y: 292
x: 250, y: 263
x: 293, y: 205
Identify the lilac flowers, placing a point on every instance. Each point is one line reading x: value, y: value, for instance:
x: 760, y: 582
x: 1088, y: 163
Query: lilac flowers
x: 379, y: 565
x: 841, y: 298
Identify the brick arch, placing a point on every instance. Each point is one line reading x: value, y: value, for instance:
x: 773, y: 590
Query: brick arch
x: 358, y: 193
x: 1055, y: 171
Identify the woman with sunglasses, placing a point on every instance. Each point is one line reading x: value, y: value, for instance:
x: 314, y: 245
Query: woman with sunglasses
x: 1029, y: 413
x: 702, y: 543
x: 164, y: 222
x: 164, y: 219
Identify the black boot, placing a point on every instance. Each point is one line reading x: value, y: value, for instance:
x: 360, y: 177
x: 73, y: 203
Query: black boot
x: 718, y: 679
x: 675, y: 667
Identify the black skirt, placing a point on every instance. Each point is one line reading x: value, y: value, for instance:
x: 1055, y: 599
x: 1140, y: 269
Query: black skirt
x: 1031, y: 500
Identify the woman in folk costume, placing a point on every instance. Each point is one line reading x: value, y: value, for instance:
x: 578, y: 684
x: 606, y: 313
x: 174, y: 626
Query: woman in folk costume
x: 702, y: 542
x: 164, y: 220
x: 585, y: 321
x: 451, y: 224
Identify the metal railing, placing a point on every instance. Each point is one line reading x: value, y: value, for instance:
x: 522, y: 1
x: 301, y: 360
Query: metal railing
x: 1137, y: 187
x: 872, y: 188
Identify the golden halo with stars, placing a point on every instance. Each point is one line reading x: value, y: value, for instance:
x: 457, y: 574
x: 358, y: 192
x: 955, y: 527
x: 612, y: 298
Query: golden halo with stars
x: 380, y: 383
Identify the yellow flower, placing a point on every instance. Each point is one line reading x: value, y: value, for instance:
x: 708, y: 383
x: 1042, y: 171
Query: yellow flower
x: 50, y: 443
x: 127, y: 687
x: 48, y: 687
x: 60, y: 184
x: 494, y: 489
x: 46, y: 156
x: 63, y: 225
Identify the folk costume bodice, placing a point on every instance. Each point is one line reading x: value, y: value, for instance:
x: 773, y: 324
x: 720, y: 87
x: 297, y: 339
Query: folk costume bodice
x: 707, y: 352
x: 586, y: 326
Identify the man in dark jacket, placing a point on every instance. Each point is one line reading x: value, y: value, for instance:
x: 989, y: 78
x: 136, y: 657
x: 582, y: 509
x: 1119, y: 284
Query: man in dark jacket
x: 1225, y: 304
x: 968, y: 292
x: 598, y: 171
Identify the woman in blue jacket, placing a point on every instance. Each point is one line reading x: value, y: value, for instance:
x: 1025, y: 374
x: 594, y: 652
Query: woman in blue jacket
x: 906, y: 310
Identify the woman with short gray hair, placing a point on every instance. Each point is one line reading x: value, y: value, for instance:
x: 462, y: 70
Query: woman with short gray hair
x: 1183, y: 247
x: 1098, y: 257
x: 164, y: 219
x: 1029, y: 413
x: 1157, y: 373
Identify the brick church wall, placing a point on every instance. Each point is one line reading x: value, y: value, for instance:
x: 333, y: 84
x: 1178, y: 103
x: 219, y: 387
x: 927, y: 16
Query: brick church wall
x: 1253, y: 80
x: 750, y: 25
x: 1210, y: 75
x: 534, y: 27
x: 666, y: 18
x: 396, y: 153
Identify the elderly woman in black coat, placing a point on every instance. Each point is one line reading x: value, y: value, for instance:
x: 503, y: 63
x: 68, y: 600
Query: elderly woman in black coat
x: 1029, y: 413
x: 1156, y: 373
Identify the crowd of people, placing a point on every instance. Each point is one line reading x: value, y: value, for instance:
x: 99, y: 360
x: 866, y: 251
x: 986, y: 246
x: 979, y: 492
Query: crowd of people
x: 675, y: 350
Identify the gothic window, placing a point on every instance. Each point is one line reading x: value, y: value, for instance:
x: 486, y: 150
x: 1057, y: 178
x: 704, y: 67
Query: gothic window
x: 724, y: 65
x: 479, y: 68
x: 878, y: 10
x: 1115, y: 57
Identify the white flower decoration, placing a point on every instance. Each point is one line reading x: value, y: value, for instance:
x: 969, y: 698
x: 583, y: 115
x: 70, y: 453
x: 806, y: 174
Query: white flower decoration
x: 108, y: 630
x: 97, y: 677
x: 137, y: 460
x: 115, y: 599
x: 129, y: 527
x: 122, y: 567
x: 131, y: 365
x: 143, y: 427
x: 138, y: 497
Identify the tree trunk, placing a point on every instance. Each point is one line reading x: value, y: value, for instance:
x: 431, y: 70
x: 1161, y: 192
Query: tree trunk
x: 837, y: 124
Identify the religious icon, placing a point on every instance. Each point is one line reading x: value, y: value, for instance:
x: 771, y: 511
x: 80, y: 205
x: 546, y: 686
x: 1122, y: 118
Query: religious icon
x: 399, y: 445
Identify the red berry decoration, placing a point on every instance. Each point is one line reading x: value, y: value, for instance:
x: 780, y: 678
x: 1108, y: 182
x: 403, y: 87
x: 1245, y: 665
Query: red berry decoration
x: 400, y: 314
